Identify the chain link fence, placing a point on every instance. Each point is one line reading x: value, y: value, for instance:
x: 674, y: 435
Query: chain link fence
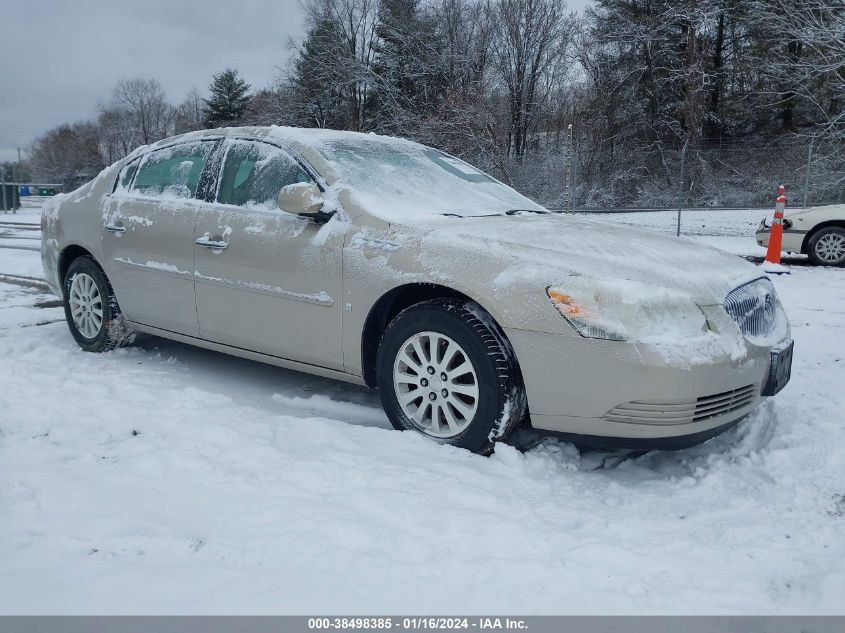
x: 722, y: 190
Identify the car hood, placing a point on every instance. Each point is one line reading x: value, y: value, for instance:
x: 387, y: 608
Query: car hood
x: 543, y: 250
x: 829, y: 210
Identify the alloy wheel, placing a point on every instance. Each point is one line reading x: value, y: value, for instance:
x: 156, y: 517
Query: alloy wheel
x: 86, y: 305
x: 436, y: 384
x: 830, y: 248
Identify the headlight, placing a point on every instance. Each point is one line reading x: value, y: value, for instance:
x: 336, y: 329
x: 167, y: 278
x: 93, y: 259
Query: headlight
x: 766, y: 224
x: 622, y: 310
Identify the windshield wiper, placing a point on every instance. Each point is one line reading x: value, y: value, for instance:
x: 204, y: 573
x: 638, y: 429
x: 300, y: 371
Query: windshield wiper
x: 515, y: 211
x: 496, y: 215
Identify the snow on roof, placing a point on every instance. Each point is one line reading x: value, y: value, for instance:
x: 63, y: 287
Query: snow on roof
x: 392, y: 178
x: 297, y: 135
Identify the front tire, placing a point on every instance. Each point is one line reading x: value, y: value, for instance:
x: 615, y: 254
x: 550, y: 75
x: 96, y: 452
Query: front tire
x: 91, y: 311
x: 446, y: 370
x: 826, y: 247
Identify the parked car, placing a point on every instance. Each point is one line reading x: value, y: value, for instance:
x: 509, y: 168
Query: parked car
x: 386, y: 263
x: 818, y: 232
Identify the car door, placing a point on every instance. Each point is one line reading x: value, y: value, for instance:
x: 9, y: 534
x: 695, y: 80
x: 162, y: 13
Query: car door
x: 147, y: 236
x: 266, y: 280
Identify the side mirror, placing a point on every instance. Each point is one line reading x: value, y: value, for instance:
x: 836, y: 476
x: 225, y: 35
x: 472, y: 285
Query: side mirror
x: 301, y: 198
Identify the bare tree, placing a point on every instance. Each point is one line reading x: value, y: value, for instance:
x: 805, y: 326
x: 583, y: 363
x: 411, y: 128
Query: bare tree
x: 145, y: 102
x: 69, y: 154
x: 531, y: 41
x: 188, y: 115
x: 497, y: 82
x: 117, y: 132
x: 805, y: 62
x: 274, y: 105
x: 462, y: 121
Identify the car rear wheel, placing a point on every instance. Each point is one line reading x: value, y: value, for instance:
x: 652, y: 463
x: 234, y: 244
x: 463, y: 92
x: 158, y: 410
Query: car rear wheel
x: 446, y: 370
x: 826, y: 247
x: 91, y: 309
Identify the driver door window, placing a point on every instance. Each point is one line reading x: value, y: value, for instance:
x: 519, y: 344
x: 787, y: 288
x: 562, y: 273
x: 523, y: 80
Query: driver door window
x: 254, y: 173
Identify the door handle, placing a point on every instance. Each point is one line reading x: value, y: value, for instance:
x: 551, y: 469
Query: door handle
x: 217, y: 242
x: 117, y: 227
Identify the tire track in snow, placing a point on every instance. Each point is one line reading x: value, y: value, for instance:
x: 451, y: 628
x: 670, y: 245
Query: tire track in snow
x: 25, y: 281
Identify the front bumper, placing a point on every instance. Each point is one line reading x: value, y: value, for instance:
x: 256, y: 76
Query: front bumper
x: 793, y: 239
x: 669, y: 443
x: 625, y: 394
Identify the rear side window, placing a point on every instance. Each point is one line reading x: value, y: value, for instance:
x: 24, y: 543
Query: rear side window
x: 173, y: 172
x: 254, y: 173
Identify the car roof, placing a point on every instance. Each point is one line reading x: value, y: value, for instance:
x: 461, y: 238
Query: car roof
x: 303, y: 140
x: 289, y: 135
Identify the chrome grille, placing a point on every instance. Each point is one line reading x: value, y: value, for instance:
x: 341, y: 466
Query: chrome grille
x: 753, y: 307
x: 683, y: 412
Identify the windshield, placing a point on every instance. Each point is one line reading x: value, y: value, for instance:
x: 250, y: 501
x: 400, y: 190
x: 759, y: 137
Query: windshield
x: 398, y: 181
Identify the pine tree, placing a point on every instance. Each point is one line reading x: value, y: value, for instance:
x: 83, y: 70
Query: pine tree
x: 408, y: 65
x: 321, y: 78
x: 229, y: 98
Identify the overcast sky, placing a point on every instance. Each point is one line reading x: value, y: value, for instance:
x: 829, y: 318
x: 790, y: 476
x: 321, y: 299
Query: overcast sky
x: 59, y: 58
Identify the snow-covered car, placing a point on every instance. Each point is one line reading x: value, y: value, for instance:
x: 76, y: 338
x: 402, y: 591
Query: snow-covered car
x: 818, y: 232
x: 390, y: 264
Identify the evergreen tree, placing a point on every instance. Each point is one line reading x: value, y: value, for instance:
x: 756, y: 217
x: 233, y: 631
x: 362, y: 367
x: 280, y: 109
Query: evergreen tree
x: 229, y: 98
x: 408, y: 65
x: 321, y: 78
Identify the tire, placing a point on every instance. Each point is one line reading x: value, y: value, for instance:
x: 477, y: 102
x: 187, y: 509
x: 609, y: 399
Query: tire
x: 91, y: 311
x: 486, y: 401
x: 826, y: 247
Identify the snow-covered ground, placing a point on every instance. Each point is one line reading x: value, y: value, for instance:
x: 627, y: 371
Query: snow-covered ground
x: 167, y: 479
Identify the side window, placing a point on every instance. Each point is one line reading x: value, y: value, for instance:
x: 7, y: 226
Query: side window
x: 126, y: 174
x: 254, y: 173
x: 173, y: 172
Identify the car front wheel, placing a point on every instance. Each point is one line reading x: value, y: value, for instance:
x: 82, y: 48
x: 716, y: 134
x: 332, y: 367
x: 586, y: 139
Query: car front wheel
x: 446, y: 370
x: 91, y: 309
x: 827, y: 247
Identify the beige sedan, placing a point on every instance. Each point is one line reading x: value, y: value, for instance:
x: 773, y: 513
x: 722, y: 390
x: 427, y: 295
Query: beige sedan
x: 390, y: 264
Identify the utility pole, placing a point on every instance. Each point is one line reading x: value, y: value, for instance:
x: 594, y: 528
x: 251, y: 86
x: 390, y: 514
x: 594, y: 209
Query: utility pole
x: 809, y: 167
x: 567, y: 183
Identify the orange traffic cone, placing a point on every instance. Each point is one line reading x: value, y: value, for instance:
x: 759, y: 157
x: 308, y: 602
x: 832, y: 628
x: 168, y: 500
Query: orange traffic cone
x: 772, y: 263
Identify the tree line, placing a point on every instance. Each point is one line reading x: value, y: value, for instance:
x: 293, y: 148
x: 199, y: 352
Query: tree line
x: 500, y: 82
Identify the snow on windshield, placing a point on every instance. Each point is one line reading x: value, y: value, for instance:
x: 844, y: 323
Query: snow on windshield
x: 399, y: 180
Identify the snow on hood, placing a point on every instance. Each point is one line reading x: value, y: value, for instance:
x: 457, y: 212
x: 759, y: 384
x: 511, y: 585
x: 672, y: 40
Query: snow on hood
x: 400, y: 181
x: 825, y: 209
x: 545, y: 249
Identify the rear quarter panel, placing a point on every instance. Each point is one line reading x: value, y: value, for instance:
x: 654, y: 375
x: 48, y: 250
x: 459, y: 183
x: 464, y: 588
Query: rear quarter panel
x: 74, y: 219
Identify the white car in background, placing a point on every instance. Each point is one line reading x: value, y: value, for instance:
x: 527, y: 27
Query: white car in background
x: 818, y: 232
